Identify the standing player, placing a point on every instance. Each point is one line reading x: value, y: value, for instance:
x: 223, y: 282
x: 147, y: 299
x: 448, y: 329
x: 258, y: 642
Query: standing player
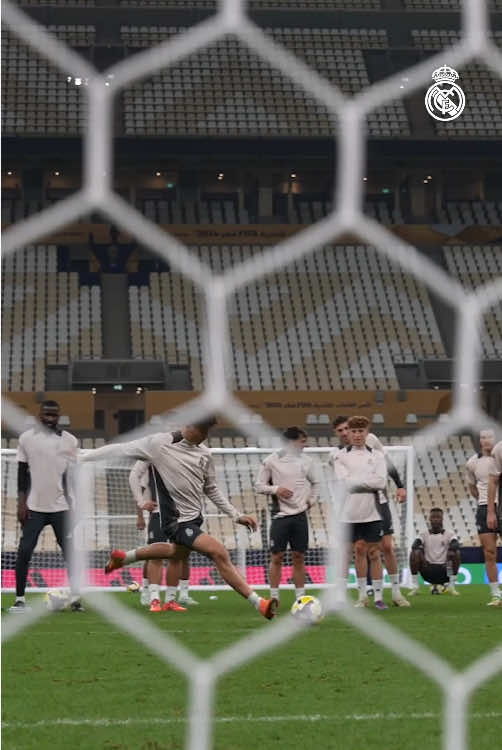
x: 494, y: 508
x: 366, y: 470
x: 44, y: 456
x: 289, y: 477
x: 187, y: 470
x: 146, y: 486
x: 435, y: 554
x: 340, y: 426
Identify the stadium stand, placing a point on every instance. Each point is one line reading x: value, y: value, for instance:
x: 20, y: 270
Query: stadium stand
x: 301, y: 328
x: 47, y: 318
x: 475, y: 267
x: 483, y: 119
x: 37, y: 98
x: 471, y: 212
x: 253, y: 97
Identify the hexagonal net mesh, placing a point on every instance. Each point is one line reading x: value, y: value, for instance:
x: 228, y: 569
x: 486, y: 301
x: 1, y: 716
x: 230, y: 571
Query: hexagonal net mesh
x: 347, y: 216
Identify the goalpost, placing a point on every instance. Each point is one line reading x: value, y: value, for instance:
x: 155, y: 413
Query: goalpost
x: 111, y: 521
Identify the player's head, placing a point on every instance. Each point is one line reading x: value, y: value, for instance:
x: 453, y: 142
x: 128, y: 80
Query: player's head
x: 436, y: 519
x: 295, y: 437
x: 341, y: 428
x: 198, y: 431
x: 358, y: 429
x: 486, y: 441
x: 49, y: 414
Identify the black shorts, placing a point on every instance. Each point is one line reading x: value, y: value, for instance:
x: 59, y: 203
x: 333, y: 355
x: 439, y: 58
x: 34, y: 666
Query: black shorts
x: 433, y: 573
x: 384, y: 510
x: 155, y: 533
x: 292, y: 530
x: 481, y: 514
x: 370, y: 532
x: 187, y: 532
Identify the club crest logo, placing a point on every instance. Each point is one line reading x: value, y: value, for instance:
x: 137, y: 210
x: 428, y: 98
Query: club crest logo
x: 445, y: 100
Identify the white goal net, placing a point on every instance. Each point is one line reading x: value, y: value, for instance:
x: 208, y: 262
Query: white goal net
x: 111, y: 522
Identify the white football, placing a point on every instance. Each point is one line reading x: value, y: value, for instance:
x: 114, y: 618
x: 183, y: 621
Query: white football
x: 307, y: 609
x: 56, y: 601
x: 134, y: 587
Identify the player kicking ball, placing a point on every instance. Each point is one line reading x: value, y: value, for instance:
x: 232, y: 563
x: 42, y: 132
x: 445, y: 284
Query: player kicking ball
x: 435, y: 554
x: 187, y: 471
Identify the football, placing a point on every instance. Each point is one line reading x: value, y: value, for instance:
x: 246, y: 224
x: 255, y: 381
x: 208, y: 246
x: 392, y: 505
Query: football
x: 134, y: 587
x: 56, y: 601
x: 307, y: 609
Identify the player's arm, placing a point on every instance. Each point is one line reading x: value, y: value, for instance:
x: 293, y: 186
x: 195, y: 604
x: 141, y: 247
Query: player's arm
x: 371, y: 478
x: 315, y: 485
x: 23, y: 483
x: 396, y: 478
x: 264, y: 485
x: 471, y: 480
x: 493, y: 486
x: 213, y: 492
x: 140, y: 449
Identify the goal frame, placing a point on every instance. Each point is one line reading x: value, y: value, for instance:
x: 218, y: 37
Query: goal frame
x: 408, y: 527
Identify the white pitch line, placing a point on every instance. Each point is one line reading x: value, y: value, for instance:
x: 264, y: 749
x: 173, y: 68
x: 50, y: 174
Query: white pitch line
x: 237, y: 719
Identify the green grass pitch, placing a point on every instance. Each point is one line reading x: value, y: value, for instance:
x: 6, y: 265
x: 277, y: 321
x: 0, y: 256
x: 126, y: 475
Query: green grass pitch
x: 73, y: 681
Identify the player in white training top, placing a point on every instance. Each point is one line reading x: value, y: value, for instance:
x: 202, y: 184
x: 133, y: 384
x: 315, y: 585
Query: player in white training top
x: 290, y: 479
x: 479, y: 468
x: 435, y: 554
x: 186, y: 470
x: 144, y: 485
x: 45, y: 454
x: 365, y: 471
x: 494, y: 507
x: 340, y: 426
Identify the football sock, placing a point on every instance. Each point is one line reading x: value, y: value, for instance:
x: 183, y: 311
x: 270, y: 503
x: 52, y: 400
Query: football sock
x: 494, y: 588
x: 130, y: 556
x: 394, y: 579
x: 170, y: 593
x: 414, y: 580
x: 184, y: 584
x: 361, y: 585
x: 299, y: 593
x: 145, y: 584
x: 377, y: 586
x: 20, y: 598
x: 75, y: 598
x: 274, y: 593
x: 254, y: 600
x: 154, y: 592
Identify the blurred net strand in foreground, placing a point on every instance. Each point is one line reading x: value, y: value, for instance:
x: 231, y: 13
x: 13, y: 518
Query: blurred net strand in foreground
x: 347, y: 216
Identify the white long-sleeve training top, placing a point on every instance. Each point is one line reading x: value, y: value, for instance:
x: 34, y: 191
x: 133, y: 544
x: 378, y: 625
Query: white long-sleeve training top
x: 297, y: 473
x: 366, y: 472
x: 186, y: 469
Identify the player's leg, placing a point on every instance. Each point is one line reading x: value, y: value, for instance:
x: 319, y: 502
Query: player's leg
x: 375, y: 558
x: 155, y: 568
x: 31, y: 531
x: 452, y: 568
x: 173, y: 574
x: 274, y: 573
x: 361, y: 566
x: 215, y: 550
x: 279, y: 536
x: 184, y: 597
x: 390, y: 560
x: 489, y: 545
x: 299, y: 542
x: 60, y: 522
x: 145, y: 585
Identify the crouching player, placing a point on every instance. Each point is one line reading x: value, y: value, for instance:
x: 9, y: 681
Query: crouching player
x: 435, y: 554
